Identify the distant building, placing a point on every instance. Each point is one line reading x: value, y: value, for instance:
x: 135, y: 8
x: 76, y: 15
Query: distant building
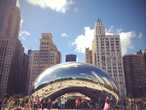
x: 88, y: 56
x: 106, y: 54
x: 49, y: 55
x: 39, y: 60
x: 13, y: 61
x: 135, y: 74
x: 34, y: 68
x: 70, y: 57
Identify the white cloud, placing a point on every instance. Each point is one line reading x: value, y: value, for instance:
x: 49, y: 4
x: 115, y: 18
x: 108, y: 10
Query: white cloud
x: 57, y: 5
x: 64, y: 35
x: 24, y: 34
x: 126, y: 41
x: 85, y: 40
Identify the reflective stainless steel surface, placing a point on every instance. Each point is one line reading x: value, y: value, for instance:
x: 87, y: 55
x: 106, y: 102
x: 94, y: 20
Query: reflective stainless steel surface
x: 74, y: 70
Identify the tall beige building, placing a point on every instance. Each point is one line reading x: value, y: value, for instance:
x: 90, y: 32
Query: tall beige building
x: 39, y: 60
x: 11, y: 54
x: 106, y: 54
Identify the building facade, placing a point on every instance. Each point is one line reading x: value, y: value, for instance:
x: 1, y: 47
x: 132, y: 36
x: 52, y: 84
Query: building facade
x: 18, y: 71
x: 70, y: 58
x: 13, y: 61
x: 39, y: 60
x: 106, y: 54
x: 135, y: 74
x: 34, y: 68
x: 88, y: 56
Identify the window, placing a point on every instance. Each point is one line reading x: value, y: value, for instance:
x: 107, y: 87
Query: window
x: 35, y: 62
x: 45, y: 44
x: 51, y: 58
x: 9, y: 51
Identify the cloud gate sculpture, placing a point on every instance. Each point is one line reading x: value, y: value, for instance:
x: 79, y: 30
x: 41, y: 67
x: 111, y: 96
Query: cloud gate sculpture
x: 74, y: 77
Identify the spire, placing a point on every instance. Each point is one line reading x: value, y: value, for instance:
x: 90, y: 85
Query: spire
x: 99, y: 22
x: 99, y: 27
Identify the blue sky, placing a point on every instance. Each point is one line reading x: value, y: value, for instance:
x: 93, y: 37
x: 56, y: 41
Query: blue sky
x: 72, y: 22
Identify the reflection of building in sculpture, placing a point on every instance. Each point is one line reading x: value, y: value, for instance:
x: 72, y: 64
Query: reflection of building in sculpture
x: 106, y: 54
x: 47, y: 56
x: 74, y: 78
x: 135, y: 74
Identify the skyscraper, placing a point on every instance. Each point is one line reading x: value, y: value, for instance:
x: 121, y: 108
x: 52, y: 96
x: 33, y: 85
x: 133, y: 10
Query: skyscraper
x: 135, y: 74
x: 106, y: 54
x: 4, y: 7
x: 70, y: 58
x: 12, y: 56
x: 39, y: 60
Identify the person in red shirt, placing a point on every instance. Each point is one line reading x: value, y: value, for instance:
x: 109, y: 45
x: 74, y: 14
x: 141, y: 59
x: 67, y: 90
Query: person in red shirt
x: 77, y: 102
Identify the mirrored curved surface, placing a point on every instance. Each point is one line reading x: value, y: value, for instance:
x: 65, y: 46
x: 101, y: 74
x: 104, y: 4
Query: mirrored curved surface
x: 74, y: 70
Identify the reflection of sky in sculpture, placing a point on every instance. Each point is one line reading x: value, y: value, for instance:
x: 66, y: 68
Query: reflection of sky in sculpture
x: 74, y: 70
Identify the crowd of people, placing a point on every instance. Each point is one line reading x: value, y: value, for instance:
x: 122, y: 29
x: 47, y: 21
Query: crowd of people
x: 34, y: 103
x: 12, y: 103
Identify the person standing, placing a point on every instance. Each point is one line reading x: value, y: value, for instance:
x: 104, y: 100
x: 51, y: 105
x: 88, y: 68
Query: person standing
x: 106, y: 105
x: 43, y: 103
x: 77, y: 102
x: 83, y: 103
x: 112, y: 103
x: 49, y: 103
x: 59, y: 103
x: 63, y: 101
x: 11, y: 104
x: 35, y: 101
